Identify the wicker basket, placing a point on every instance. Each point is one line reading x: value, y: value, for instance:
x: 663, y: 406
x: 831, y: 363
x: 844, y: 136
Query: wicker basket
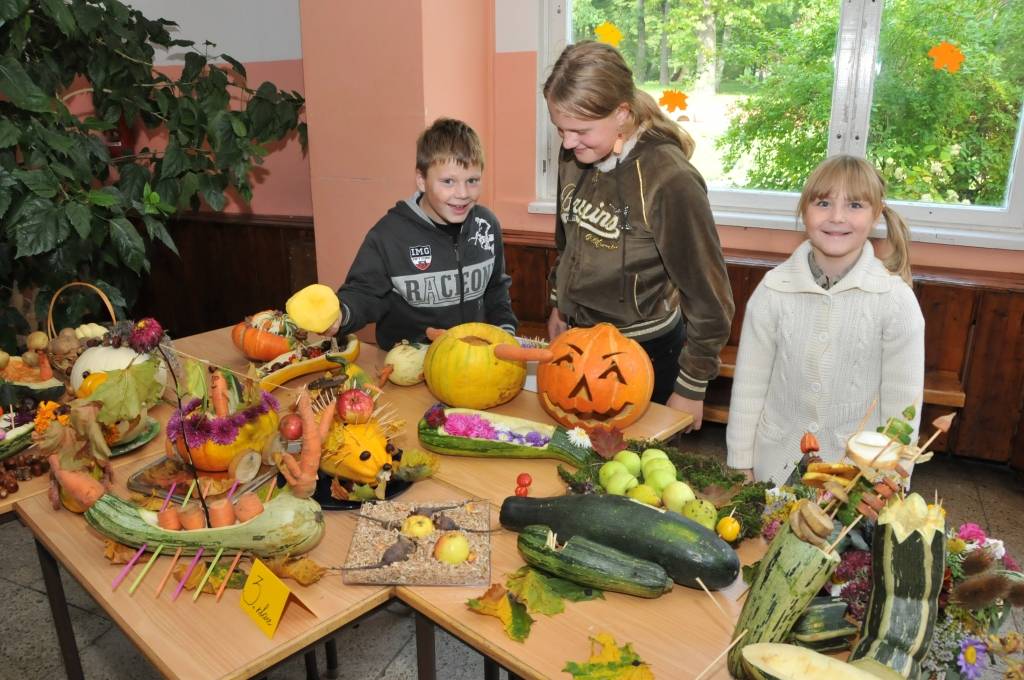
x: 62, y: 363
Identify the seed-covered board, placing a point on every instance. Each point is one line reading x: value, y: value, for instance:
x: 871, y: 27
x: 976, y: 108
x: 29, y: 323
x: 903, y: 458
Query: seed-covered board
x: 442, y: 543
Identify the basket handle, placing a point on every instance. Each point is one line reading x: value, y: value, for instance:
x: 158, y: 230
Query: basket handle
x: 51, y: 330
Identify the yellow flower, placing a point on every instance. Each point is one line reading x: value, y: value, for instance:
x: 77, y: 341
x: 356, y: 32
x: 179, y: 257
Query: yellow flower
x: 956, y: 546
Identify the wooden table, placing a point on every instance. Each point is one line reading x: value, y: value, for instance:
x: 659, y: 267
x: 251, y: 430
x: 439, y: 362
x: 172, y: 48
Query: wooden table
x: 163, y: 629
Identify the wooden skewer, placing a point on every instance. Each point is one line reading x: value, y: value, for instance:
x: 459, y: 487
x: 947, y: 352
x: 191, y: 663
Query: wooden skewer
x: 713, y: 600
x: 227, y: 577
x: 864, y: 420
x: 719, y: 657
x: 843, y: 533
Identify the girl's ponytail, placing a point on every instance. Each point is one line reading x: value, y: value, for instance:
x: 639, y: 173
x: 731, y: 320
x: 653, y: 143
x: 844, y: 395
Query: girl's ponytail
x: 898, y: 235
x: 649, y: 116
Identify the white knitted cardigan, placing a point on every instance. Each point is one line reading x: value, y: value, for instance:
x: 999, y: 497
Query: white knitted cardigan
x: 813, y: 360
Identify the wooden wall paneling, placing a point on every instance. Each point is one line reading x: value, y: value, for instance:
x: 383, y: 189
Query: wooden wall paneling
x: 528, y: 267
x: 949, y: 314
x: 993, y: 382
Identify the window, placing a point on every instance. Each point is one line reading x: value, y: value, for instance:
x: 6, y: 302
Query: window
x: 773, y: 86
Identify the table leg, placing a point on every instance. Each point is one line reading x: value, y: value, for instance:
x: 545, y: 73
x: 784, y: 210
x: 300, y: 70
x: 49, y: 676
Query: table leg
x: 311, y: 670
x: 491, y: 669
x: 426, y: 665
x: 59, y: 610
x: 331, y: 647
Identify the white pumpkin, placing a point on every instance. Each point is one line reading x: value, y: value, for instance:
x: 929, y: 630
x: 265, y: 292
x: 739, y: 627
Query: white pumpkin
x: 102, y: 358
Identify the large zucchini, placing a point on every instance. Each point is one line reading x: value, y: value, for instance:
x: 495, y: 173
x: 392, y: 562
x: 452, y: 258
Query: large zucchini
x: 559, y: 447
x: 684, y: 549
x: 287, y: 525
x: 787, y: 577
x: 907, y: 562
x: 591, y: 564
x: 787, y: 662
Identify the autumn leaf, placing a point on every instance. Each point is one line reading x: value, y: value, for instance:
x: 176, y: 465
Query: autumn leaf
x: 609, y: 662
x: 606, y: 443
x: 673, y: 99
x: 127, y: 391
x: 946, y: 56
x: 303, y: 570
x: 212, y: 585
x: 543, y: 594
x: 608, y: 33
x: 499, y: 603
x: 119, y: 553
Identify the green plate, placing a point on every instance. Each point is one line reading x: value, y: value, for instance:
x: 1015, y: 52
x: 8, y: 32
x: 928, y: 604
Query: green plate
x: 152, y: 430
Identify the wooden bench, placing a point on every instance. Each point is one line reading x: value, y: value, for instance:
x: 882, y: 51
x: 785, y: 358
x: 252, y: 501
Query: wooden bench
x: 941, y: 388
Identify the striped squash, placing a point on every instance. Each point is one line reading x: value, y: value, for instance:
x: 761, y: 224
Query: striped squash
x: 789, y: 575
x: 908, y: 560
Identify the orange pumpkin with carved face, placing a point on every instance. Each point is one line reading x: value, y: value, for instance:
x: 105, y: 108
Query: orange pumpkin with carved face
x: 597, y: 377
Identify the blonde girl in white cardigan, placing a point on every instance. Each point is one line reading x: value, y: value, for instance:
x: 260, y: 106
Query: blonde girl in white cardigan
x: 828, y: 331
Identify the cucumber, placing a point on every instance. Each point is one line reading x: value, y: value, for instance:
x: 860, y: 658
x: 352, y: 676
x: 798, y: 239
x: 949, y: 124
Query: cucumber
x: 684, y: 549
x: 287, y: 525
x: 591, y: 564
x: 559, y: 447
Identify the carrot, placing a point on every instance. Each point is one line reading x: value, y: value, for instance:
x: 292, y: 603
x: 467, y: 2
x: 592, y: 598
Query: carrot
x: 384, y: 374
x: 434, y: 333
x: 222, y: 513
x: 517, y: 353
x: 45, y: 370
x: 168, y: 518
x: 326, y: 418
x: 79, y: 485
x: 219, y: 394
x: 192, y: 516
x: 301, y: 475
x: 248, y: 506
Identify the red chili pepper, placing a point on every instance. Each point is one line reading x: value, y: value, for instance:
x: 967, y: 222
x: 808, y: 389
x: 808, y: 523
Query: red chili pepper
x: 522, y: 491
x: 524, y: 479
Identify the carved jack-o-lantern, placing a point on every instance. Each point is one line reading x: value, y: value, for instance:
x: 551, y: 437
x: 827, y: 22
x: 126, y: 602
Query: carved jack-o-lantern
x: 597, y: 377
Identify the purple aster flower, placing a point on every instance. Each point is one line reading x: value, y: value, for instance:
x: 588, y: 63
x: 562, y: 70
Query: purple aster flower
x: 269, y: 401
x: 223, y: 431
x: 238, y: 419
x: 536, y: 439
x: 972, y: 658
x: 197, y: 430
x: 435, y: 415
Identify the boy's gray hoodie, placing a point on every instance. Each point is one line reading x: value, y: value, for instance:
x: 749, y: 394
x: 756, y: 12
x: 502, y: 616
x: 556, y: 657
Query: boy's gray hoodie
x: 408, y: 275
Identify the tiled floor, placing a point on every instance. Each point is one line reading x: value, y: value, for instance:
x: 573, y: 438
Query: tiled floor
x: 382, y: 645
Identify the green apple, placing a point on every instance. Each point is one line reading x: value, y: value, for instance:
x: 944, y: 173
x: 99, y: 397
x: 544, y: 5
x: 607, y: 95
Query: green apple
x: 657, y: 464
x: 452, y: 548
x: 631, y: 459
x: 609, y: 470
x: 659, y: 479
x: 620, y: 484
x: 702, y: 512
x: 651, y: 454
x: 675, y: 495
x: 417, y: 526
x: 644, y: 494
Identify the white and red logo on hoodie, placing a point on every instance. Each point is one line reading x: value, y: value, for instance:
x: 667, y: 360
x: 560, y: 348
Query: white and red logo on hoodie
x: 420, y: 256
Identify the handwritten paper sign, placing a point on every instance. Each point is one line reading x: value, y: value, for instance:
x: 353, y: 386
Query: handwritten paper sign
x: 264, y: 597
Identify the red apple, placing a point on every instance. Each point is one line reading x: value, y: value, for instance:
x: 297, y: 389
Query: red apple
x: 290, y: 427
x: 355, y: 406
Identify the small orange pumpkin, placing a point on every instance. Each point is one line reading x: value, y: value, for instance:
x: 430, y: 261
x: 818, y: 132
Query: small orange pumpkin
x: 262, y: 336
x: 597, y: 378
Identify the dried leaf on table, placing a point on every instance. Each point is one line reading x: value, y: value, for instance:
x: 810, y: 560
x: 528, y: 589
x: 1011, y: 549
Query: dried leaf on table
x: 608, y: 661
x: 304, y: 570
x: 606, y: 443
x: 545, y: 594
x: 149, y: 502
x: 119, y: 553
x: 499, y: 603
x: 212, y: 585
x: 338, y: 492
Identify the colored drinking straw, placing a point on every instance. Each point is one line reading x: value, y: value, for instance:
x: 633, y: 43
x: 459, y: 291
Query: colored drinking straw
x: 206, y: 576
x: 188, y: 572
x: 145, y: 569
x: 135, y: 558
x: 170, y: 493
x: 227, y: 577
x: 231, y: 491
x: 191, y: 488
x: 163, y: 581
x: 128, y: 567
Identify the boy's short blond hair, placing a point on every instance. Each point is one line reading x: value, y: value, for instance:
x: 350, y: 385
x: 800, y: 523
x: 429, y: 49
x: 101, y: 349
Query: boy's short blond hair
x: 448, y: 140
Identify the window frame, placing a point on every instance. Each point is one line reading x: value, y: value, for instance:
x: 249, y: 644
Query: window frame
x: 859, y: 29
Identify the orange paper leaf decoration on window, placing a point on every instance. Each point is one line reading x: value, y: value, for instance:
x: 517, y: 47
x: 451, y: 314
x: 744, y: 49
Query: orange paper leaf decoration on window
x: 946, y: 56
x: 608, y: 33
x: 673, y: 99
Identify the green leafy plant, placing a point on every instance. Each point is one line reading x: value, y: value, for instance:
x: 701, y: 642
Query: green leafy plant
x: 71, y: 208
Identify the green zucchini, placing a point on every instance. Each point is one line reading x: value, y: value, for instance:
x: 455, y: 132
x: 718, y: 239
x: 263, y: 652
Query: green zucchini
x: 788, y: 576
x: 287, y: 525
x: 16, y: 440
x: 907, y: 563
x: 591, y: 564
x: 13, y: 391
x: 684, y: 549
x: 559, y: 447
x: 824, y: 618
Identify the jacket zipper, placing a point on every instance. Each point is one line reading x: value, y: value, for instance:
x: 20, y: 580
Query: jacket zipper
x: 458, y: 266
x: 578, y: 246
x: 624, y: 230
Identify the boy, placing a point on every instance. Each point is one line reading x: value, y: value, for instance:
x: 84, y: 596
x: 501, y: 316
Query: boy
x: 435, y: 259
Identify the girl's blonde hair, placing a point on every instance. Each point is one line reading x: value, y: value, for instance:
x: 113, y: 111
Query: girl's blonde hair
x: 859, y: 180
x: 590, y: 80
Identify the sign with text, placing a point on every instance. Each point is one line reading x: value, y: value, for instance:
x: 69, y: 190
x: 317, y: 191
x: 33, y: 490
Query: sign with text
x: 264, y: 597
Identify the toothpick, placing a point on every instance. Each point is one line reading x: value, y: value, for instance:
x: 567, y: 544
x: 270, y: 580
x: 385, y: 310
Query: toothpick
x: 864, y: 420
x: 145, y: 569
x: 188, y: 572
x: 206, y: 576
x: 843, y: 533
x: 270, y: 489
x: 163, y: 581
x: 128, y: 567
x: 712, y: 598
x: 719, y: 657
x: 227, y: 577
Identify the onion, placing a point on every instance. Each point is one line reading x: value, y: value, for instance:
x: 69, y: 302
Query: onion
x: 406, y: 360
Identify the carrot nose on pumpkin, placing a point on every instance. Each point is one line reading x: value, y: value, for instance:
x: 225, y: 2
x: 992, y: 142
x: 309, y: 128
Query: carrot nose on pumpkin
x: 434, y: 333
x: 517, y: 353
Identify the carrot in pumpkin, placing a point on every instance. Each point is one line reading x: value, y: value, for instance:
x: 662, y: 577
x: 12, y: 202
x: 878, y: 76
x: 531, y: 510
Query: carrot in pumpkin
x: 219, y: 394
x: 168, y: 518
x: 222, y: 513
x: 434, y: 333
x: 191, y: 516
x: 45, y: 371
x: 248, y: 506
x: 517, y: 353
x: 80, y: 486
